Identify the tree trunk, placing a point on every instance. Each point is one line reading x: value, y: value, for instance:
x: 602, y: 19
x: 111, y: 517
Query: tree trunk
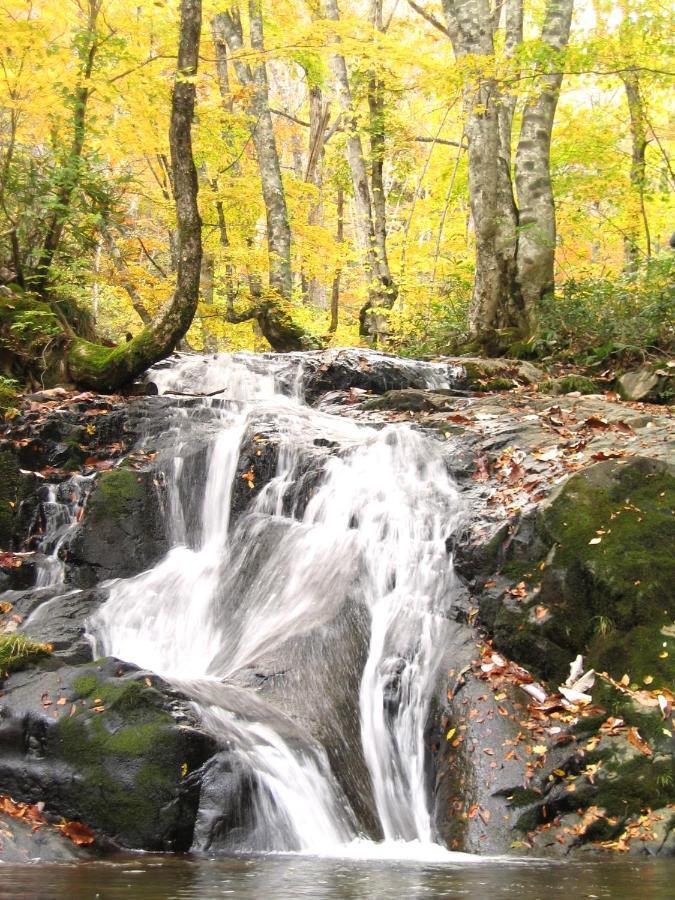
x: 274, y: 197
x: 377, y: 154
x: 638, y: 172
x: 126, y: 281
x: 206, y: 285
x: 271, y: 309
x: 537, y: 231
x: 313, y: 291
x: 380, y: 292
x: 515, y: 243
x: 340, y: 236
x: 101, y: 368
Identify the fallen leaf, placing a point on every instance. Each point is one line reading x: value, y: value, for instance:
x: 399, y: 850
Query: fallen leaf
x: 77, y: 833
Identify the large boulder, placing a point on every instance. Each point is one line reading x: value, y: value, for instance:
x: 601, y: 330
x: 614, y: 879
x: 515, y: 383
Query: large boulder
x: 598, y: 570
x: 108, y: 745
x: 123, y: 531
x: 648, y: 384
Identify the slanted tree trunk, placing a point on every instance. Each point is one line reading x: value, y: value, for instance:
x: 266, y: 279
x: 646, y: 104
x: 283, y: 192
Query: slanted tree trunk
x: 515, y: 239
x: 380, y: 285
x: 272, y: 308
x: 101, y: 368
x: 638, y: 171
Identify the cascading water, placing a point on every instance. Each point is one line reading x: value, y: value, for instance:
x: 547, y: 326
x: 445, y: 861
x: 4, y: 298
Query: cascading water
x: 60, y: 509
x: 356, y: 529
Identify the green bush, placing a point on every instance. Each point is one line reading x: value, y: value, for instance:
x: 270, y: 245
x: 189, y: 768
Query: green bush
x: 433, y: 324
x: 594, y: 320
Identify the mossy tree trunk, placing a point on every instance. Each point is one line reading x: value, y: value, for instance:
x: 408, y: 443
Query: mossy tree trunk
x: 105, y: 369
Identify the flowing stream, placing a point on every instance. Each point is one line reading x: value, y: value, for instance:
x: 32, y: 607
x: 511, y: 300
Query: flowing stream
x: 338, y: 564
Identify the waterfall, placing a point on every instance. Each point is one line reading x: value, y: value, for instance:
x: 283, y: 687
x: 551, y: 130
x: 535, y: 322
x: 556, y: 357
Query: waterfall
x: 354, y: 522
x: 61, y: 509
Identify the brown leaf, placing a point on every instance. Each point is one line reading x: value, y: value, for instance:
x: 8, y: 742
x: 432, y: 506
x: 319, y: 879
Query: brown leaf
x: 77, y: 833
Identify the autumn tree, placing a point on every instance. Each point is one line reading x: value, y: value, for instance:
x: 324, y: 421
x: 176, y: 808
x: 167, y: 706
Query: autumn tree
x: 512, y: 203
x: 102, y: 368
x: 370, y: 212
x: 272, y: 308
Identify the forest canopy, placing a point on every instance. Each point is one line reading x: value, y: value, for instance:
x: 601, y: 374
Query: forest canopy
x: 423, y: 175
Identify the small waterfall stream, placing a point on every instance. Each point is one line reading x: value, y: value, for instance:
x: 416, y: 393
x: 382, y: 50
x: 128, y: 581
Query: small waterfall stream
x: 349, y: 537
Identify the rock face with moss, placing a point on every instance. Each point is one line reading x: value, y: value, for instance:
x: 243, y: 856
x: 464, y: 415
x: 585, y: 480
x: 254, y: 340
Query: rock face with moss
x: 123, y: 532
x: 108, y: 745
x: 602, y: 545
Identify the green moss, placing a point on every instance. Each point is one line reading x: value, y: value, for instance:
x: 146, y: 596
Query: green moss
x: 85, y: 685
x: 116, y: 489
x: 640, y: 783
x: 17, y: 652
x: 9, y: 395
x: 612, y: 598
x: 608, y: 584
x: 129, y: 753
x: 569, y: 384
x: 10, y: 482
x: 122, y: 696
x: 499, y: 384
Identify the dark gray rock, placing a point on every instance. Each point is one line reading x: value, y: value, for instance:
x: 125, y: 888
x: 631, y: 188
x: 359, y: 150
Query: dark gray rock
x: 124, y: 530
x: 108, y: 745
x: 21, y: 842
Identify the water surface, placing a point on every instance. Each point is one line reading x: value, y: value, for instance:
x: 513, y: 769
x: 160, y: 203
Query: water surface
x: 288, y: 877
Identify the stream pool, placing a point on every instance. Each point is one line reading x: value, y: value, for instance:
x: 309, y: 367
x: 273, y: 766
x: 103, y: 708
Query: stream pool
x: 286, y: 877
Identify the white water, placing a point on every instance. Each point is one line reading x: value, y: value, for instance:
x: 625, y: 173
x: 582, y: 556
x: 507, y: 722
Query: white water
x: 372, y: 533
x: 61, y: 509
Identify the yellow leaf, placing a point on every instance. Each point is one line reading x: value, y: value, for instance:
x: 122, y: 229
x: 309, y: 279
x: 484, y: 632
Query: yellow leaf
x: 450, y: 734
x: 540, y: 750
x: 183, y: 770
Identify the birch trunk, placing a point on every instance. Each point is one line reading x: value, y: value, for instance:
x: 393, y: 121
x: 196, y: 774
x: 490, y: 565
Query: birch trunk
x: 264, y: 141
x: 379, y: 293
x: 537, y: 231
x: 638, y: 172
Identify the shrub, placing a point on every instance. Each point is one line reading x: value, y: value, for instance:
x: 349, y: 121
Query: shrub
x: 594, y: 320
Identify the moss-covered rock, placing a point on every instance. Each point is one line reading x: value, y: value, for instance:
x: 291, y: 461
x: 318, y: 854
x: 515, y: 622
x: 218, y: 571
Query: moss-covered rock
x: 14, y: 487
x: 107, y: 745
x: 123, y: 531
x: 607, y: 584
x: 569, y: 384
x: 410, y: 399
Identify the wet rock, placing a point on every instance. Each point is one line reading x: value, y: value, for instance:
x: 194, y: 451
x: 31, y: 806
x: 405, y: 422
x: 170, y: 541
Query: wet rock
x: 107, y: 745
x: 475, y: 781
x: 123, y: 531
x: 61, y: 622
x: 21, y: 842
x: 225, y: 818
x: 367, y: 369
